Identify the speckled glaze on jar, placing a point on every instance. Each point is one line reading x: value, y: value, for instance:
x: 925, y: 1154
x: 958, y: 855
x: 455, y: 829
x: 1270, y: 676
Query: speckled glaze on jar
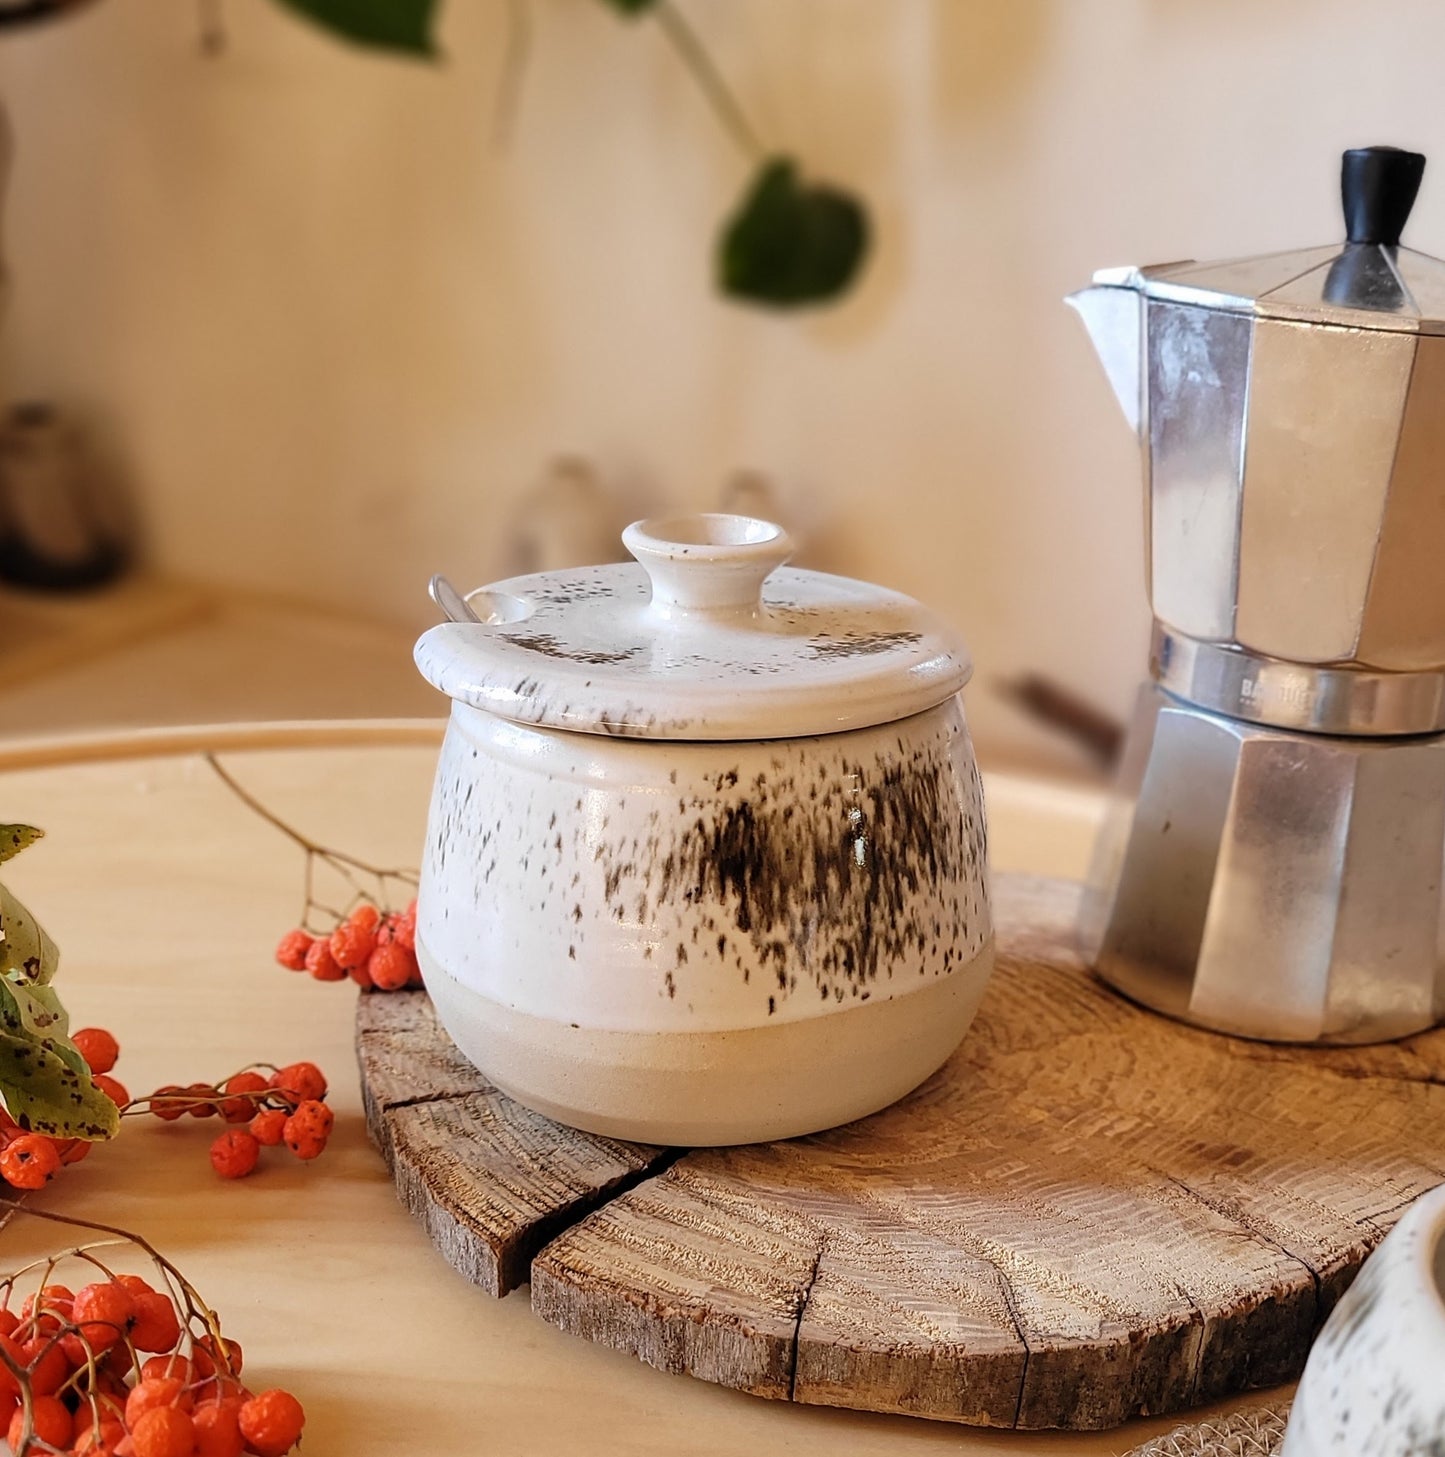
x: 697, y: 940
x: 1374, y: 1385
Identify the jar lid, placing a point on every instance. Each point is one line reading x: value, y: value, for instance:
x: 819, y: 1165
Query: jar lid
x: 707, y: 637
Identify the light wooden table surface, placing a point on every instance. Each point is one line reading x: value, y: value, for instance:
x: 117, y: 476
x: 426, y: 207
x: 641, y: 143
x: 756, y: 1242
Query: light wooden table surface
x: 167, y: 895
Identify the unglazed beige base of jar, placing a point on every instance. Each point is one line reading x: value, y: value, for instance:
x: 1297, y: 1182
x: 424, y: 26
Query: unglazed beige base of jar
x: 709, y: 1088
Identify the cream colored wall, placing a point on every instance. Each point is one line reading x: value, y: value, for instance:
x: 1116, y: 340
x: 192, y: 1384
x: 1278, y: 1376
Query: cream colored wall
x: 332, y: 330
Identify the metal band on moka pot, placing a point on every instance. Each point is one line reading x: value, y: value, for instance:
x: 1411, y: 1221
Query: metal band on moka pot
x: 1304, y: 697
x: 1272, y: 861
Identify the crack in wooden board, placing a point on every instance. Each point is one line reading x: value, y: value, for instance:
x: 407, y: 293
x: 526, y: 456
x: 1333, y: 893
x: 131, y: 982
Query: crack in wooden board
x: 490, y: 1181
x: 1090, y: 1213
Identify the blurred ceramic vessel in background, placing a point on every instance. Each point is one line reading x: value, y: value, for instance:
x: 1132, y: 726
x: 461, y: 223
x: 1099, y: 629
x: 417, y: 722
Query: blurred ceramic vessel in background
x: 1374, y: 1385
x: 705, y: 862
x: 567, y: 518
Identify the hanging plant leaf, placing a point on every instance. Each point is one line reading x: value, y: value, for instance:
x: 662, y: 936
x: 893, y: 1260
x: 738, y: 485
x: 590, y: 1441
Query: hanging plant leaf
x: 630, y: 7
x: 388, y: 25
x: 15, y: 838
x: 789, y: 243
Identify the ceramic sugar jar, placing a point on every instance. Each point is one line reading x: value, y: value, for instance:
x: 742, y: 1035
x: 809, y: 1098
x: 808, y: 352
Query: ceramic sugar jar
x: 705, y: 861
x: 1374, y: 1385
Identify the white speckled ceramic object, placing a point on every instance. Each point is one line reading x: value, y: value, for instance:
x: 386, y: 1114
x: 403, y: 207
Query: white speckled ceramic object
x: 706, y: 855
x: 1374, y: 1385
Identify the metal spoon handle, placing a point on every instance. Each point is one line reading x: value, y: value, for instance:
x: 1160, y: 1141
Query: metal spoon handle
x: 452, y: 603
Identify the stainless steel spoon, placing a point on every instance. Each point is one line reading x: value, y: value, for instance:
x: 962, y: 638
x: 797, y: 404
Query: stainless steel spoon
x: 452, y: 603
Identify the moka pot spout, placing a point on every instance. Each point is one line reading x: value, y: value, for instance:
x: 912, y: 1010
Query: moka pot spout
x: 1113, y: 313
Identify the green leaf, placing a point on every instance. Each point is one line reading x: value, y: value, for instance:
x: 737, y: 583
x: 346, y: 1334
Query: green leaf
x: 44, y: 1094
x: 630, y: 7
x: 36, y: 1013
x: 388, y: 25
x: 44, y: 1081
x: 790, y: 244
x: 25, y: 950
x: 15, y: 838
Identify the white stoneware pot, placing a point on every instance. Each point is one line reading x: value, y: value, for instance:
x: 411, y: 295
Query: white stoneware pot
x: 1374, y: 1385
x: 706, y: 861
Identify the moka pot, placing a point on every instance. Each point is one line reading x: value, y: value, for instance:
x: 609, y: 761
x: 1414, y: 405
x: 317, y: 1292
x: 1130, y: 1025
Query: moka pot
x: 1272, y: 862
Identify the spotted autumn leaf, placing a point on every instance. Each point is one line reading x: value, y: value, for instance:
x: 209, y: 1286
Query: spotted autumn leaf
x: 15, y: 838
x: 45, y: 1084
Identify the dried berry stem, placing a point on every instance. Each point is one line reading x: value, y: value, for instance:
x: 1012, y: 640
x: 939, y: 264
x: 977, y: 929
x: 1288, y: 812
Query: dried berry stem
x: 85, y: 1348
x: 183, y: 1294
x: 195, y: 1306
x: 267, y: 1098
x: 50, y: 1261
x: 348, y: 867
x: 185, y: 1098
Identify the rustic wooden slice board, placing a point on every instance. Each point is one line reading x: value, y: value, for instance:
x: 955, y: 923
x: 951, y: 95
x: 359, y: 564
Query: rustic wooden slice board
x: 1089, y: 1213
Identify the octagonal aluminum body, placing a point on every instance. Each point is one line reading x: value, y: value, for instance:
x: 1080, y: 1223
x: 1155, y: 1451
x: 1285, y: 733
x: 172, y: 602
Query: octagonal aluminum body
x: 1274, y: 885
x: 1294, y: 476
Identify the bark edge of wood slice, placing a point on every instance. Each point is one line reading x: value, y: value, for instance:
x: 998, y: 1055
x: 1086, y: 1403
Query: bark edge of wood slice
x: 1090, y: 1213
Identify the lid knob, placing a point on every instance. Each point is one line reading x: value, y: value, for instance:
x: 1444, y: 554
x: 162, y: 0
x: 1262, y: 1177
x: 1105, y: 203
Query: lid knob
x: 707, y: 565
x: 1378, y: 186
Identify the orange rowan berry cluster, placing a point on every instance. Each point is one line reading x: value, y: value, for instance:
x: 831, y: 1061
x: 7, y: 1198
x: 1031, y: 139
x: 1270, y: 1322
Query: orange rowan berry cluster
x: 375, y: 948
x: 286, y: 1108
x: 119, y: 1368
x: 30, y: 1160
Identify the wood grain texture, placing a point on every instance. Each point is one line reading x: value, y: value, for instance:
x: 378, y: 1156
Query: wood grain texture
x: 1090, y: 1213
x: 489, y: 1180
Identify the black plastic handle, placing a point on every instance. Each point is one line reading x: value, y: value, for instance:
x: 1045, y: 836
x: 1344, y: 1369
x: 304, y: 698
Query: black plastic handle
x: 1378, y: 186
